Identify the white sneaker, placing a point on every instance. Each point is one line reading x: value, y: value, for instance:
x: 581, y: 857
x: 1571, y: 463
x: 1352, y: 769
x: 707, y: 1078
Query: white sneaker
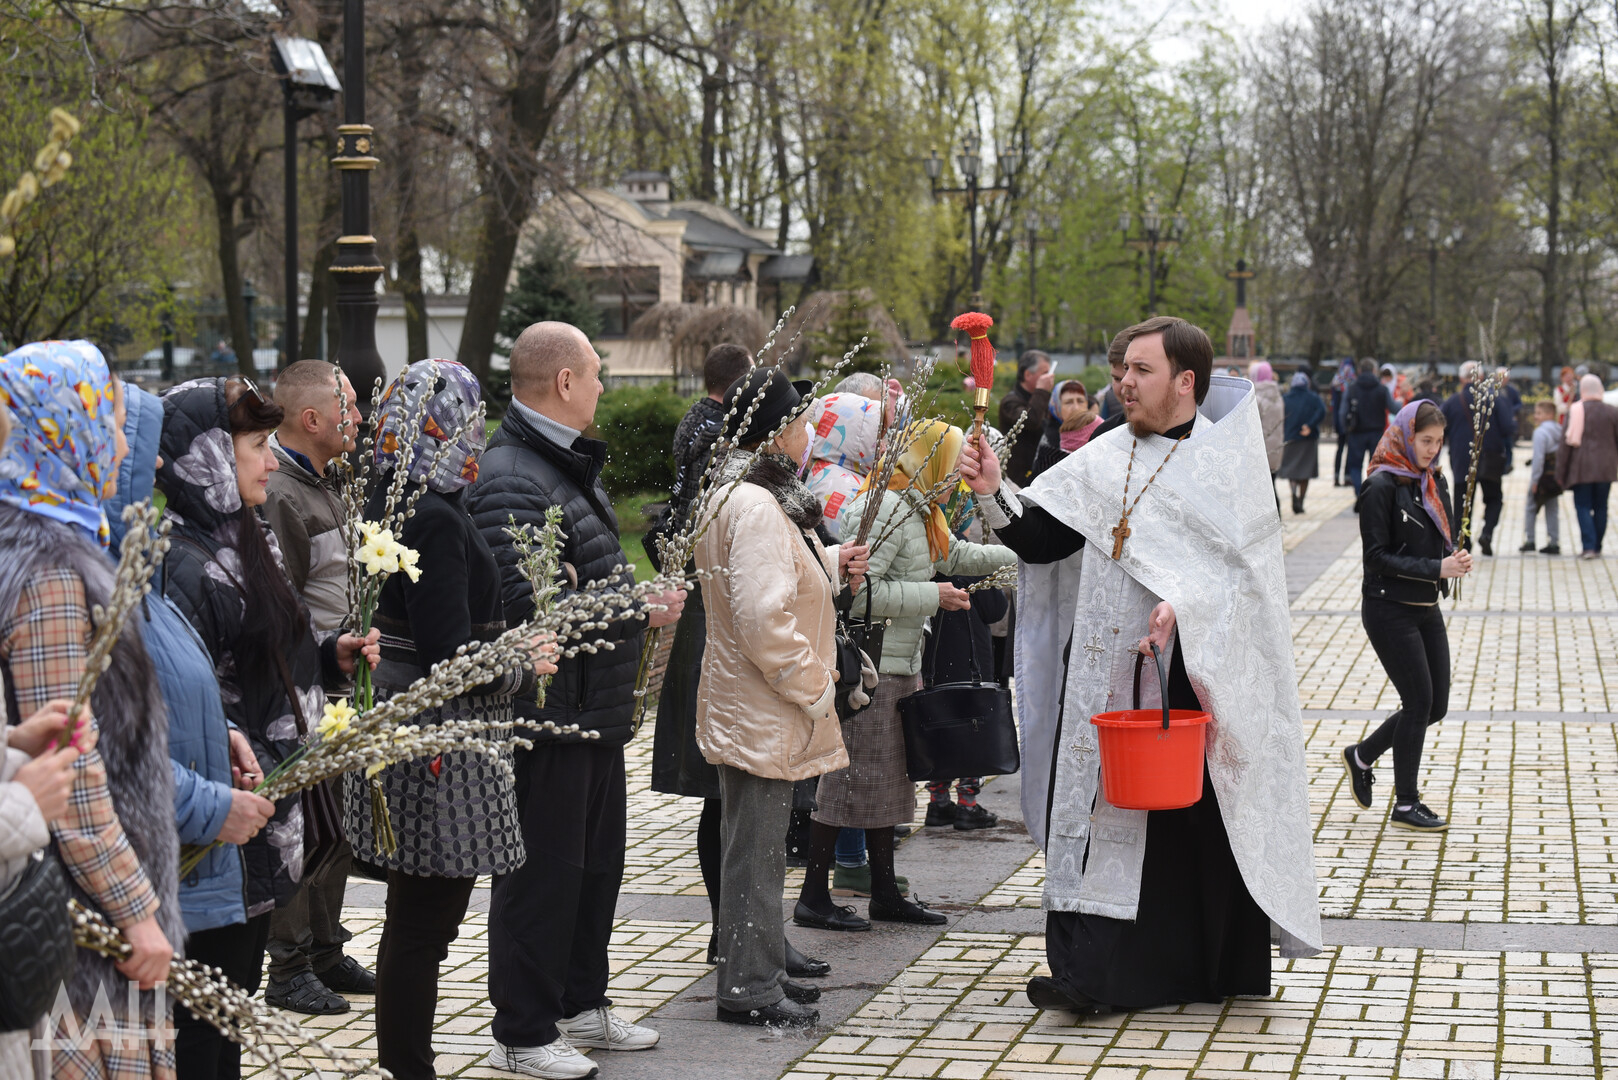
x: 553, y: 1061
x: 603, y: 1029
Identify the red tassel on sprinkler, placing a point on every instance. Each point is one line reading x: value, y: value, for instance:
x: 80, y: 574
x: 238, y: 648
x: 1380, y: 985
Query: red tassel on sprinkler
x: 976, y: 324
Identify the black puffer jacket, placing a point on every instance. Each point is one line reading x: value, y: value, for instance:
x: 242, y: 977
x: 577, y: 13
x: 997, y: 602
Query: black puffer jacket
x: 521, y: 474
x: 203, y: 577
x: 1403, y: 547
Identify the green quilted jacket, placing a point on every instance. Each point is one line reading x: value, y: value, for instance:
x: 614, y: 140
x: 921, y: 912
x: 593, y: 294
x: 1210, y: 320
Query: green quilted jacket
x: 901, y: 576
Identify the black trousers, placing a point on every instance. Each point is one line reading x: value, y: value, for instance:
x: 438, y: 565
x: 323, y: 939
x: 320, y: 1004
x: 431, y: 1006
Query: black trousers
x: 1413, y: 646
x: 200, y: 1051
x: 551, y: 919
x: 1493, y: 500
x: 424, y: 916
x: 307, y: 933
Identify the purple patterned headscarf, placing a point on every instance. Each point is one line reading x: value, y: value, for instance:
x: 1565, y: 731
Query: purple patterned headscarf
x: 1394, y: 455
x: 454, y: 397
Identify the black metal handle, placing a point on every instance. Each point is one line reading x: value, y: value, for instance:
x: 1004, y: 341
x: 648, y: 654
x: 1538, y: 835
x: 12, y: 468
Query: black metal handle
x: 1162, y: 678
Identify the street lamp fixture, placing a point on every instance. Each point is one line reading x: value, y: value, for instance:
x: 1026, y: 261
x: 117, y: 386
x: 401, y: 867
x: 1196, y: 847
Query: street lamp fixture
x: 1436, y: 240
x: 308, y: 85
x: 1152, y: 239
x: 970, y: 161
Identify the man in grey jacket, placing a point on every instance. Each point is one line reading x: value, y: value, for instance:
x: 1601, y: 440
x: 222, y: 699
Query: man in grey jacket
x: 308, y: 971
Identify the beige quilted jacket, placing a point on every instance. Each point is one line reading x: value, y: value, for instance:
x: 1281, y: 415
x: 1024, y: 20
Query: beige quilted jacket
x: 765, y: 701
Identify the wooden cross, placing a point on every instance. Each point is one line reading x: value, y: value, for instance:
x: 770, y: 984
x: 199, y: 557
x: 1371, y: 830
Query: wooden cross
x: 1120, y: 533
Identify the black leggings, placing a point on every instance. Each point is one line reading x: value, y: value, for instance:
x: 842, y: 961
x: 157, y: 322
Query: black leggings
x: 423, y: 916
x: 1413, y: 646
x: 708, y: 853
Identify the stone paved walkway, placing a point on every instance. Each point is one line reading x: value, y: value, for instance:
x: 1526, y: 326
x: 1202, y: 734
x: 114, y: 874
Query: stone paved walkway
x: 1491, y: 951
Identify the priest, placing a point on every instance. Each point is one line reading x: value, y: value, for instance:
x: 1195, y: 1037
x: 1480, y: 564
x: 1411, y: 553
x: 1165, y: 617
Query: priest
x: 1162, y: 531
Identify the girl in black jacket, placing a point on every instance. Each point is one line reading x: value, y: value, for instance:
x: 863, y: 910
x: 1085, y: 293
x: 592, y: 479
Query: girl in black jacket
x: 1409, y: 555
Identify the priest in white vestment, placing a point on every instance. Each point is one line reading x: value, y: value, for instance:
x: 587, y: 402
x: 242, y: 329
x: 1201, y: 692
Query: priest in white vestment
x: 1163, y: 530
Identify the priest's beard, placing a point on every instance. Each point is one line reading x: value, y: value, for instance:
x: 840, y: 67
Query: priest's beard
x: 1153, y: 417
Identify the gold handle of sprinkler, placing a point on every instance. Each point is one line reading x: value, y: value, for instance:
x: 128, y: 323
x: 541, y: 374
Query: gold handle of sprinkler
x: 980, y: 405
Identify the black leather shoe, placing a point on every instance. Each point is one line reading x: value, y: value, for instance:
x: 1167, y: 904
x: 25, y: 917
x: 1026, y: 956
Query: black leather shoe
x: 1551, y: 549
x: 348, y: 977
x: 713, y: 947
x: 802, y: 993
x: 842, y: 918
x: 970, y: 818
x: 1484, y: 546
x: 1046, y: 993
x: 940, y: 813
x: 1527, y: 548
x: 1418, y: 819
x: 905, y: 911
x: 305, y: 993
x: 785, y: 1013
x: 1359, y: 780
x: 800, y: 966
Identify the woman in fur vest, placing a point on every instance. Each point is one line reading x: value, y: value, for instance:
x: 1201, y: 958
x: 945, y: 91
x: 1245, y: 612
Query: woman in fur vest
x: 766, y: 712
x: 117, y: 839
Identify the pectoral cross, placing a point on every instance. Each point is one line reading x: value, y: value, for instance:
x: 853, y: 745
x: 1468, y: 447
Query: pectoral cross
x: 1120, y: 533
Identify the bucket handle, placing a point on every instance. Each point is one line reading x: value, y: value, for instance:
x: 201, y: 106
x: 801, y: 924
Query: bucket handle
x: 1162, y: 678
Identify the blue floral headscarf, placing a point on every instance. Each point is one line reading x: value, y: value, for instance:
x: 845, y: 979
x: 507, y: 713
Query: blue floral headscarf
x: 60, y: 460
x: 454, y: 397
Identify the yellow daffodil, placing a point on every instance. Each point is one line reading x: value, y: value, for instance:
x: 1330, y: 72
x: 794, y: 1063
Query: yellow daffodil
x: 407, y: 562
x: 372, y: 771
x: 336, y: 718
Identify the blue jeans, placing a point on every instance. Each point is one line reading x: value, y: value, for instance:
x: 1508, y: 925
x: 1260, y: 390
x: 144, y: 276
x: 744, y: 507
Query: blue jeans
x: 850, y: 850
x: 1361, y: 445
x: 1590, y: 504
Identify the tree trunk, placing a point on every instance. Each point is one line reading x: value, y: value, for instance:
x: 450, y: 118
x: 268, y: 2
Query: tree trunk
x: 1550, y: 350
x: 506, y: 204
x: 230, y: 274
x: 707, y: 177
x: 409, y: 243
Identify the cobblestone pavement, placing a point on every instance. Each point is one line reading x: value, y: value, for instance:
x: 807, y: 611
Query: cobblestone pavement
x: 1490, y: 951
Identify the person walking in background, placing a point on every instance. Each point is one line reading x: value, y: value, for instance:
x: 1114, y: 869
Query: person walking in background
x: 117, y: 839
x: 766, y: 715
x: 550, y: 920
x: 305, y: 512
x: 1565, y: 394
x: 1492, y: 463
x: 1589, y: 462
x: 1271, y: 415
x: 1410, y: 556
x: 1300, y: 434
x: 1340, y: 383
x: 456, y: 814
x: 1032, y: 395
x: 874, y: 792
x: 1367, y: 405
x: 1543, y: 491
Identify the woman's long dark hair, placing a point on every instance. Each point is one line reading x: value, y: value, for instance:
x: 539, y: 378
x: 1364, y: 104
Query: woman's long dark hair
x: 271, y: 617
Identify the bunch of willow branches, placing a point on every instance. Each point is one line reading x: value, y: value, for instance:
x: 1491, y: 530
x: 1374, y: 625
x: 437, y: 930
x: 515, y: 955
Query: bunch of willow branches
x: 539, y: 561
x: 268, y: 1036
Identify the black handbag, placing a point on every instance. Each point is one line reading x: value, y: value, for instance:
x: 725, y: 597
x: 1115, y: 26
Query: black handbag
x: 959, y: 729
x: 36, y: 942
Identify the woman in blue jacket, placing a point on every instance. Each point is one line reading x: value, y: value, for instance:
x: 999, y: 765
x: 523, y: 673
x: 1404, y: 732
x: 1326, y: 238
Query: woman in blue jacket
x: 212, y: 763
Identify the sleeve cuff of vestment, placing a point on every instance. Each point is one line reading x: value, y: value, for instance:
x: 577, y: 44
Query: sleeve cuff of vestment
x: 998, y: 511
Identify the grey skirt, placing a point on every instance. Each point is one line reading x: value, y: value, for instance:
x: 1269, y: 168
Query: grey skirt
x: 875, y: 791
x: 457, y: 821
x: 1300, y: 459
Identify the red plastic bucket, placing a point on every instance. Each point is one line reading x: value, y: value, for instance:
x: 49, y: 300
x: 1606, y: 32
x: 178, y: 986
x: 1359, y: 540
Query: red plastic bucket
x: 1152, y: 759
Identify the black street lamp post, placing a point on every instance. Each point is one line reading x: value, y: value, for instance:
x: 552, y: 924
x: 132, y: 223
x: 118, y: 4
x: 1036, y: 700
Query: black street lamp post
x: 250, y: 302
x: 1153, y: 237
x: 308, y: 86
x: 1435, y: 241
x: 356, y: 268
x: 1032, y: 221
x: 970, y: 161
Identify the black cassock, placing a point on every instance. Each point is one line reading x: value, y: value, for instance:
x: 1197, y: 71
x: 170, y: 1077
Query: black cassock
x: 1198, y: 935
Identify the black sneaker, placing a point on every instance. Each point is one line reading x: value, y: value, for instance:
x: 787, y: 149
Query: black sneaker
x: 968, y: 818
x: 305, y: 993
x: 1551, y: 549
x: 1527, y: 548
x: 1359, y: 780
x: 940, y: 814
x: 1418, y: 819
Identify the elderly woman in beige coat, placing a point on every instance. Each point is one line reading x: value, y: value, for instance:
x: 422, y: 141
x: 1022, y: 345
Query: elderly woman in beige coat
x: 765, y: 707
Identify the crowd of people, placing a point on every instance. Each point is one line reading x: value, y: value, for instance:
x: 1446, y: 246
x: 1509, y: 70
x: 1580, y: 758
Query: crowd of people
x: 770, y: 714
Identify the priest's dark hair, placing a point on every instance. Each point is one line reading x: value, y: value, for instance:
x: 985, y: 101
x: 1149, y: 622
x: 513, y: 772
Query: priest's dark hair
x: 723, y: 365
x: 1186, y: 346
